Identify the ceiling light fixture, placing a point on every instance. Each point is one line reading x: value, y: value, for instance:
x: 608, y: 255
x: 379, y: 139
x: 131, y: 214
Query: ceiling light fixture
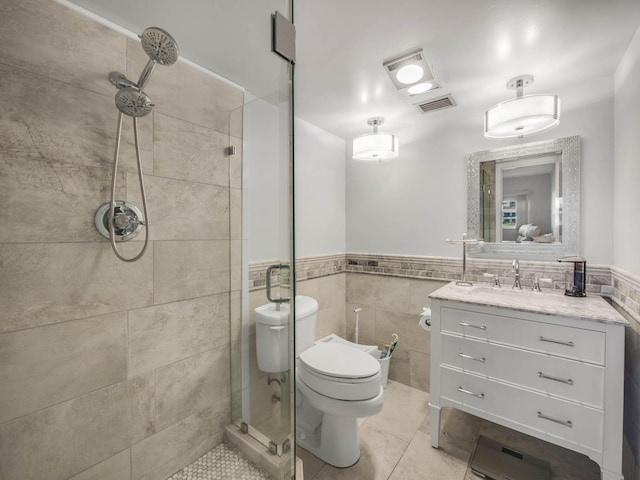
x: 377, y: 145
x: 410, y: 74
x: 420, y: 88
x: 523, y: 115
x: 410, y: 71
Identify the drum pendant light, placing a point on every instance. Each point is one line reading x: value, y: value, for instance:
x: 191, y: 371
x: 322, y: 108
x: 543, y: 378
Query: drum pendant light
x: 523, y: 115
x: 376, y: 145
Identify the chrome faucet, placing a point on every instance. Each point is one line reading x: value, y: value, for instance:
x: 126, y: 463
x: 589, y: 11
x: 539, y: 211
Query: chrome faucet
x: 515, y: 268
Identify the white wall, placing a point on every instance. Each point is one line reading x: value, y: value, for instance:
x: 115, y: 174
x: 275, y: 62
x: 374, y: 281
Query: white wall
x: 410, y: 205
x: 626, y: 192
x: 320, y: 191
x: 265, y: 182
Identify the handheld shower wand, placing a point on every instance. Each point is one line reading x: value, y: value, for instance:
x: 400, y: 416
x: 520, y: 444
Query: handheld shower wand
x: 120, y: 219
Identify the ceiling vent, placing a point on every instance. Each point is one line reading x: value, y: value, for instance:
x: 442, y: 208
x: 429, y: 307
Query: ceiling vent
x: 438, y: 103
x: 400, y: 62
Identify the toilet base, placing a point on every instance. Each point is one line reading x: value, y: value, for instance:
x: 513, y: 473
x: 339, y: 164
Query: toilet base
x: 341, y: 447
x: 323, y: 429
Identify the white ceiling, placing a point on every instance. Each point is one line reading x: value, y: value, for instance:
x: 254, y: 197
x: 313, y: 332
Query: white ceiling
x: 474, y: 46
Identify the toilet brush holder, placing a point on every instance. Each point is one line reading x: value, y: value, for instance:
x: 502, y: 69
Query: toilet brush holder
x: 384, y: 368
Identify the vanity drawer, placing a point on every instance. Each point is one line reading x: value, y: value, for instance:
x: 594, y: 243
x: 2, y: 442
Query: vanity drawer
x: 562, y: 377
x: 576, y: 343
x: 576, y: 423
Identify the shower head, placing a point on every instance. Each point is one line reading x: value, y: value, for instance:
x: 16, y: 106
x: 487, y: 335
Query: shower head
x: 160, y: 46
x: 133, y: 102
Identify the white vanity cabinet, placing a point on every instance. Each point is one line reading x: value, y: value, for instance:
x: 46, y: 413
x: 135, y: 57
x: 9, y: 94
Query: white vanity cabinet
x: 545, y: 364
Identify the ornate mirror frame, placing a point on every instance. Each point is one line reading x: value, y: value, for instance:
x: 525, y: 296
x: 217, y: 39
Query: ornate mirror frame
x: 569, y: 149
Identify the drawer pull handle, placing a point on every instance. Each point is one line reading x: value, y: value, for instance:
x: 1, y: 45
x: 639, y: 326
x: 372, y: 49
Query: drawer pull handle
x: 566, y: 423
x: 559, y: 342
x: 568, y: 381
x: 477, y: 359
x: 479, y: 395
x: 465, y: 324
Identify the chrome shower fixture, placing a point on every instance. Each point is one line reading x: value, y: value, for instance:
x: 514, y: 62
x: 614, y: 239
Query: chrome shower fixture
x: 118, y: 219
x: 133, y: 102
x: 162, y: 49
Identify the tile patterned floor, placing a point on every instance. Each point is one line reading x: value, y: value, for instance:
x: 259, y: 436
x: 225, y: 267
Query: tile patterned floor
x: 221, y: 463
x: 396, y: 445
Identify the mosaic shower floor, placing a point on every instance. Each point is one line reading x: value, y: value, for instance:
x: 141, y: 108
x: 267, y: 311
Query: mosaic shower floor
x: 221, y: 463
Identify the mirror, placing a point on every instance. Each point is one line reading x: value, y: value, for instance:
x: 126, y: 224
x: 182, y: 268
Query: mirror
x: 524, y: 200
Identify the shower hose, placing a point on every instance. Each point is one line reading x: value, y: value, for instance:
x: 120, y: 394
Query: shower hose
x: 144, y: 222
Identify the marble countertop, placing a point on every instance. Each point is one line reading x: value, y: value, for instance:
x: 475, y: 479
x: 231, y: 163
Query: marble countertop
x: 548, y: 302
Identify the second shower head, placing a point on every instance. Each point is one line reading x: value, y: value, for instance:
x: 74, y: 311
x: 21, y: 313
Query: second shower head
x: 162, y: 49
x: 133, y: 102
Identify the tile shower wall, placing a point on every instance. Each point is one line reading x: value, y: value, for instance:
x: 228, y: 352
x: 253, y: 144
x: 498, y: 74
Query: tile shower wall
x: 110, y: 370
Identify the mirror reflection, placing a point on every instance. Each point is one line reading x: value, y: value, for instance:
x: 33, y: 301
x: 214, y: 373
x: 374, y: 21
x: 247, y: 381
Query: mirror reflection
x: 524, y: 200
x: 521, y: 199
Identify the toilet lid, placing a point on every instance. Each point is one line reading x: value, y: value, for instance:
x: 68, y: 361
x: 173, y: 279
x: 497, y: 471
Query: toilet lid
x: 340, y: 361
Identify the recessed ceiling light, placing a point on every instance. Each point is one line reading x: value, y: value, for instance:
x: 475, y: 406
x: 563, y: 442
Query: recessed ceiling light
x: 410, y: 74
x: 420, y: 88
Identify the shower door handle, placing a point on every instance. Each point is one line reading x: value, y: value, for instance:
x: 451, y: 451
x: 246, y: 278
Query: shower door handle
x: 268, y: 286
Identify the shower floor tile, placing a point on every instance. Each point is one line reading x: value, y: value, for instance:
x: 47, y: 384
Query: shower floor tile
x: 221, y: 463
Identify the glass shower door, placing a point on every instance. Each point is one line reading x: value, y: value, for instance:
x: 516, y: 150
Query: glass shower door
x: 262, y: 380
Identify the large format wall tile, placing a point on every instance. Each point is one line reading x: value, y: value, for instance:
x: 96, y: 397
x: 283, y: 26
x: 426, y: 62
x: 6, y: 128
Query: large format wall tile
x: 235, y: 164
x: 187, y: 151
x: 42, y: 284
x: 235, y: 213
x: 61, y: 362
x: 190, y: 269
x: 404, y: 295
x: 180, y: 210
x: 162, y: 454
x: 167, y: 333
x: 65, y: 439
x: 191, y: 385
x: 235, y: 261
x: 411, y: 336
x: 186, y: 93
x: 47, y: 201
x: 117, y: 467
x: 46, y: 119
x: 41, y: 43
x: 235, y: 307
x: 419, y: 368
x: 82, y: 342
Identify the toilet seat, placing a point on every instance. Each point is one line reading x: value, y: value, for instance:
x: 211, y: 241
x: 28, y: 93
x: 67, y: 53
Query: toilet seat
x: 340, y: 372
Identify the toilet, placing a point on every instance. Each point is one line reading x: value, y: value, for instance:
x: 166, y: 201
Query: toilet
x: 337, y: 382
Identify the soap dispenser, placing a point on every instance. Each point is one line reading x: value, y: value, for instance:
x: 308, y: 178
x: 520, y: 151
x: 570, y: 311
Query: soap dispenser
x: 575, y: 284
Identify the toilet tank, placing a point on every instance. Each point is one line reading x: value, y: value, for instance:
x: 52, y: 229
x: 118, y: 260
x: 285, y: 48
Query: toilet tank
x: 272, y: 332
x: 272, y: 337
x: 306, y: 319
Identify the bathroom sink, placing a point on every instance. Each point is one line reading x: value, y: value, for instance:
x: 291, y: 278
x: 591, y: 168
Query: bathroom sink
x: 546, y: 302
